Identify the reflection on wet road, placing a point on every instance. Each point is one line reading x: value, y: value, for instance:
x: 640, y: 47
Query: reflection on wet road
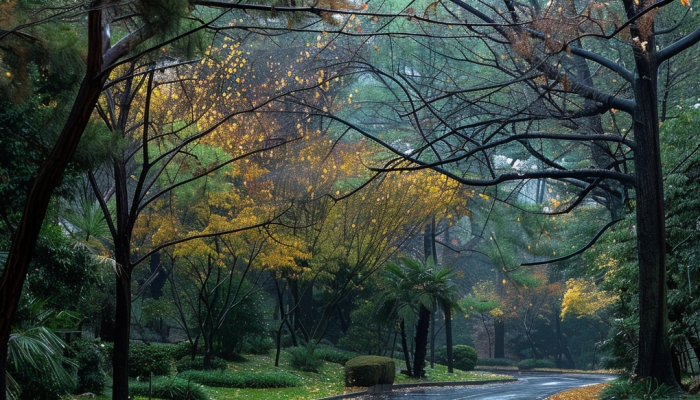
x: 529, y: 386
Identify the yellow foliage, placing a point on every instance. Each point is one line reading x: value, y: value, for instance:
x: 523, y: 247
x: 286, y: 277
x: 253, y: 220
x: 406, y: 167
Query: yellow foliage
x: 583, y: 297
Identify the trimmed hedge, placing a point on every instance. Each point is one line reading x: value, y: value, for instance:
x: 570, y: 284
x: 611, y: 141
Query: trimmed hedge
x: 463, y: 357
x: 531, y: 363
x: 156, y: 359
x: 243, y: 379
x: 495, y: 362
x: 369, y: 371
x: 197, y: 364
x: 168, y: 388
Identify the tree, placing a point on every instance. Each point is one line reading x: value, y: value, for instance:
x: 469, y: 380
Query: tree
x: 535, y: 97
x: 421, y: 288
x: 135, y: 23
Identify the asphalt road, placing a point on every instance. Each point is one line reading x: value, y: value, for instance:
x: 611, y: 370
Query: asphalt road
x: 529, y: 386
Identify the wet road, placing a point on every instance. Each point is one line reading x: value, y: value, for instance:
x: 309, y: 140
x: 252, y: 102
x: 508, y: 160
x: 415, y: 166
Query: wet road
x: 529, y: 386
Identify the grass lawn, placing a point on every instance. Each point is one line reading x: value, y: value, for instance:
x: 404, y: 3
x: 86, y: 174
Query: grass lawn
x: 328, y: 382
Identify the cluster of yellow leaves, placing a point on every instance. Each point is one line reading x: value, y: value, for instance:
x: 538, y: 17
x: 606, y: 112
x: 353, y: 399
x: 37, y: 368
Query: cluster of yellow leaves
x: 590, y: 392
x: 583, y: 297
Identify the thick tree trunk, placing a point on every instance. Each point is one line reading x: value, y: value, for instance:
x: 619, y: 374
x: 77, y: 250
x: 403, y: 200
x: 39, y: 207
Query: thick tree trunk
x: 3, y: 368
x: 120, y: 359
x: 421, y: 342
x: 49, y: 177
x: 654, y: 351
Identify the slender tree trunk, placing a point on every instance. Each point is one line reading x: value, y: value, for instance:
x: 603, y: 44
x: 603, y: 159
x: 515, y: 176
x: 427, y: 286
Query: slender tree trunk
x: 421, y: 342
x: 404, y: 346
x: 694, y: 343
x: 432, y: 339
x: 448, y: 338
x: 486, y: 329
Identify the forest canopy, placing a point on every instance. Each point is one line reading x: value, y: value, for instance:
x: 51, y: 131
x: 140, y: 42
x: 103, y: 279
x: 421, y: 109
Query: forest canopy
x: 378, y: 177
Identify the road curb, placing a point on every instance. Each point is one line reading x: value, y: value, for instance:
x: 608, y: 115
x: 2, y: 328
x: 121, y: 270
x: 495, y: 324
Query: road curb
x: 388, y: 388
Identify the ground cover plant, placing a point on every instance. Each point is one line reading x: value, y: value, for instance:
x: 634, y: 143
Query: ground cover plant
x: 168, y: 388
x: 258, y: 374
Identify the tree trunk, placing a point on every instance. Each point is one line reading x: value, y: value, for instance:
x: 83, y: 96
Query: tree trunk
x: 3, y: 369
x: 654, y: 351
x: 499, y: 338
x: 448, y: 338
x: 404, y: 346
x: 107, y: 320
x: 432, y: 339
x: 120, y: 358
x: 49, y: 177
x: 421, y: 342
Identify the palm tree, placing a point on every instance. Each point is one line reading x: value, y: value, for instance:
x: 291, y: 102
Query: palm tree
x: 40, y: 350
x: 398, y: 294
x: 415, y: 285
x: 34, y: 346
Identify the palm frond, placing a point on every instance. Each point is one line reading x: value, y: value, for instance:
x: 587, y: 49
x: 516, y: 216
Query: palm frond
x: 40, y: 349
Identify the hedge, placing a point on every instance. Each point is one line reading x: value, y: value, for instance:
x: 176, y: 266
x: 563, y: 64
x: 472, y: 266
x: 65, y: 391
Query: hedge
x: 495, y: 362
x: 167, y: 388
x: 197, y: 364
x: 531, y: 363
x: 242, y: 379
x: 369, y: 371
x: 463, y: 357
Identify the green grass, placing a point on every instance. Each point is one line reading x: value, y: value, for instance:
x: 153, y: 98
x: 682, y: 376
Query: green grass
x: 328, y: 382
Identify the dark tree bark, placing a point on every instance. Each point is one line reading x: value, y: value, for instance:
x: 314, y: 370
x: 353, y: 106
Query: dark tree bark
x: 49, y: 177
x: 404, y: 347
x: 3, y: 369
x: 448, y: 338
x: 421, y: 341
x: 499, y: 338
x: 654, y: 351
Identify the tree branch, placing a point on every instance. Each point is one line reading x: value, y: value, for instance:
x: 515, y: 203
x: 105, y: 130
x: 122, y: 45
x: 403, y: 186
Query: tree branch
x: 577, y: 252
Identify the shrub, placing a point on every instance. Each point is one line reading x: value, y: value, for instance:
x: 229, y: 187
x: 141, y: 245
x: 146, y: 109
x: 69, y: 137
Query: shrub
x: 641, y: 389
x: 181, y: 350
x: 259, y: 345
x: 369, y: 371
x: 304, y: 358
x: 168, y: 388
x: 531, y: 363
x: 91, y: 361
x: 197, y: 364
x: 495, y: 362
x: 155, y: 359
x: 38, y: 385
x: 463, y: 357
x: 334, y: 355
x: 243, y: 379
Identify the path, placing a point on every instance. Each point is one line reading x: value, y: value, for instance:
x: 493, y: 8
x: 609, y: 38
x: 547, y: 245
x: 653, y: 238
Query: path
x: 533, y: 385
